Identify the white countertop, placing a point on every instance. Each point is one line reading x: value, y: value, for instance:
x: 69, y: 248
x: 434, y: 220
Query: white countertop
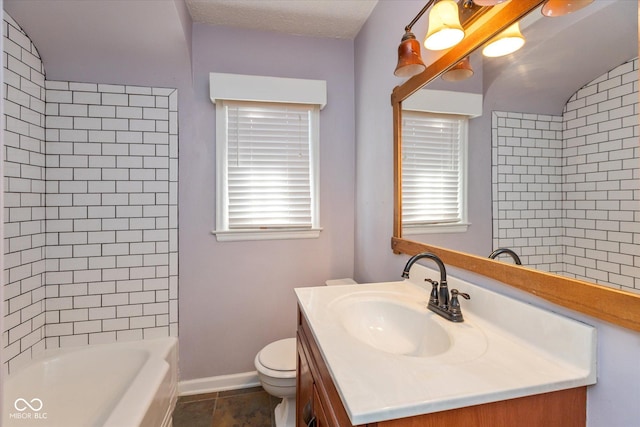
x: 505, y: 349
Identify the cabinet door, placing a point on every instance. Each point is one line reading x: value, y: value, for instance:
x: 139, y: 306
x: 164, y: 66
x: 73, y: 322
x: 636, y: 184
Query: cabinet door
x: 321, y: 417
x: 304, y: 394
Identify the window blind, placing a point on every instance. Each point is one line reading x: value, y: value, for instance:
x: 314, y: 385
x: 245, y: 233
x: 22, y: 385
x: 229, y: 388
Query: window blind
x: 268, y: 164
x: 432, y: 168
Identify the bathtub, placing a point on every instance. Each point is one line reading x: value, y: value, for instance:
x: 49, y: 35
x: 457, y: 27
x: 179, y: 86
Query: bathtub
x: 109, y: 385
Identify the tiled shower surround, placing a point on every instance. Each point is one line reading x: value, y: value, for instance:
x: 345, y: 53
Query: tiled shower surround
x: 24, y: 197
x: 111, y: 213
x: 566, y: 190
x: 91, y: 212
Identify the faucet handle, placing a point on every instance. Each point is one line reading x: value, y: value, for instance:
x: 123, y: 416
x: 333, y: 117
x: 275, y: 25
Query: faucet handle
x: 454, y: 304
x: 455, y: 293
x: 433, y: 297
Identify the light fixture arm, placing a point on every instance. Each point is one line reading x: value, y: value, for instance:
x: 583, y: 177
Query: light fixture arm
x: 444, y: 32
x: 419, y: 15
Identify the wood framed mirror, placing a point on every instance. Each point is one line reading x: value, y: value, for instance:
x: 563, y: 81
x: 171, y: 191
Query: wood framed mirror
x: 606, y: 303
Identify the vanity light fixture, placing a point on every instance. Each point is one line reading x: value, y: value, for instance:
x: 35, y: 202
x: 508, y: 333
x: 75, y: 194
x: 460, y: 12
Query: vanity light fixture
x: 505, y: 43
x: 444, y: 32
x: 553, y: 8
x: 409, y: 58
x: 461, y: 71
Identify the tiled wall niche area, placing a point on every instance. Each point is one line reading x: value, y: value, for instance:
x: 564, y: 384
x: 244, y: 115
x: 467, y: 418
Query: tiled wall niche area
x: 91, y: 213
x: 594, y: 217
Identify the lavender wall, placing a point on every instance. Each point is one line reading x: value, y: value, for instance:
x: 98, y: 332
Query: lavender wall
x: 375, y: 48
x: 235, y: 297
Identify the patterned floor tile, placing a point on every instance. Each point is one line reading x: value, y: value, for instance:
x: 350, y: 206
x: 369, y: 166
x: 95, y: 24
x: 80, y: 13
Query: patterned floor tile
x: 252, y: 407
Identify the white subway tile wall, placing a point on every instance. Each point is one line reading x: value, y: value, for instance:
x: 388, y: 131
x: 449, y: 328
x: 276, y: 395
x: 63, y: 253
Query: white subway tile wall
x: 24, y: 200
x: 566, y: 190
x: 91, y: 205
x: 527, y: 187
x: 111, y: 226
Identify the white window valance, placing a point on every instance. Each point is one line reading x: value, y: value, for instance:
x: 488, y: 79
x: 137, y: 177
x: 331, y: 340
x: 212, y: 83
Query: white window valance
x: 239, y: 87
x: 445, y: 102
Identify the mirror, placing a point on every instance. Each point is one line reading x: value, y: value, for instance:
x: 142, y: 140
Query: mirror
x: 583, y: 296
x: 565, y: 205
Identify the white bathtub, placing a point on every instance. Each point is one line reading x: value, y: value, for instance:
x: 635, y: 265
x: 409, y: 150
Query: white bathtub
x: 111, y: 385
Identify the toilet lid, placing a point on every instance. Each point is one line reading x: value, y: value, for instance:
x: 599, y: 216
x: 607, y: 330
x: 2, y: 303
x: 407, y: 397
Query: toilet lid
x: 279, y: 355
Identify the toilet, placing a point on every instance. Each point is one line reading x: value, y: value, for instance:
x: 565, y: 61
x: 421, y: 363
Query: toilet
x: 276, y: 366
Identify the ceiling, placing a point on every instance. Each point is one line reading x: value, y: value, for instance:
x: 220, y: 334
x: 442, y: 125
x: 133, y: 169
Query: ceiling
x: 319, y: 18
x: 92, y: 37
x: 80, y: 38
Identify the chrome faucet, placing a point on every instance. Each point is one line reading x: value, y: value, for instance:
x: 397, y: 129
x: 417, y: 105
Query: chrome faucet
x: 499, y: 251
x: 439, y: 301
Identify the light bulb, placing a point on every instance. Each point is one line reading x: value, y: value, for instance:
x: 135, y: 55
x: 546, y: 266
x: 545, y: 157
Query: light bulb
x: 505, y: 43
x: 445, y: 30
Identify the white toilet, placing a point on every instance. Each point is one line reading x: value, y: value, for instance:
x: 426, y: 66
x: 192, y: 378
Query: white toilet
x: 276, y: 366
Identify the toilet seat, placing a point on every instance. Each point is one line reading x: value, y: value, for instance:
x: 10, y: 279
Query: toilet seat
x: 278, y: 359
x: 276, y: 366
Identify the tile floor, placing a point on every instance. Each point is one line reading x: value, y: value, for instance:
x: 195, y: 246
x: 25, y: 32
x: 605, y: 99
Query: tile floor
x: 251, y: 407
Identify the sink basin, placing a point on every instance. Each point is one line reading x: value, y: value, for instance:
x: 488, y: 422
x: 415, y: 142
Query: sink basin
x: 390, y: 357
x: 392, y: 325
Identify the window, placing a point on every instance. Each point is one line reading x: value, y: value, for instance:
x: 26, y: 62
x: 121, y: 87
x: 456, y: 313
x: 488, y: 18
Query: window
x: 433, y: 172
x: 267, y: 155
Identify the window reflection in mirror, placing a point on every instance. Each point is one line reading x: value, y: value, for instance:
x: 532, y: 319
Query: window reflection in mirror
x: 557, y: 147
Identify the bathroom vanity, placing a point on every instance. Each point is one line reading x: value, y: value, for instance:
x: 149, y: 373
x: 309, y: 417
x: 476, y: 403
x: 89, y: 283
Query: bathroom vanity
x: 361, y: 361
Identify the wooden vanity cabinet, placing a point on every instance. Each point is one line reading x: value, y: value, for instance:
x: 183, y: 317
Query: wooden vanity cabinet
x: 318, y: 403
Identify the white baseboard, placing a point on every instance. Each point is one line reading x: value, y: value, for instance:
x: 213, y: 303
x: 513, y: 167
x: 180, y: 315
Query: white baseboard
x: 219, y: 383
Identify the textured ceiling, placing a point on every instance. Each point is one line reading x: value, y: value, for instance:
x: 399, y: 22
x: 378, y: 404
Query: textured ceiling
x: 87, y: 40
x: 83, y: 39
x: 319, y: 18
